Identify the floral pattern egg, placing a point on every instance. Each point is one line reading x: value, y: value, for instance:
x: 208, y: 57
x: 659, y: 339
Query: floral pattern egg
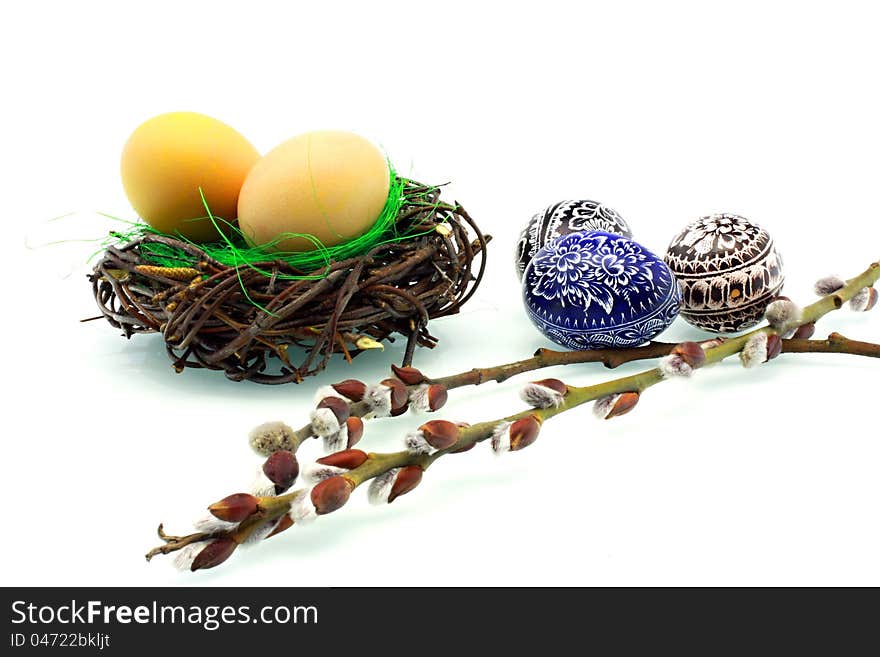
x: 592, y: 290
x: 729, y: 272
x: 561, y: 219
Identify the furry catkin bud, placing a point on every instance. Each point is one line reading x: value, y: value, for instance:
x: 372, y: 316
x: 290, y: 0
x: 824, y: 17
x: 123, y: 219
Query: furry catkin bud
x: 428, y: 398
x: 805, y: 331
x: 331, y: 494
x: 829, y: 285
x: 282, y: 469
x: 214, y: 553
x: 271, y: 437
x: 691, y: 353
x: 389, y: 397
x: 399, y: 396
x: 235, y: 508
x: 774, y: 346
x: 355, y: 428
x: 351, y: 389
x: 440, y: 434
x: 407, y: 479
x: 864, y: 299
x: 324, y: 423
x: 674, y: 365
x: 409, y: 375
x: 546, y: 393
x: 615, y: 405
x: 378, y: 398
x: 348, y: 459
x: 754, y: 352
x: 516, y: 435
x: 783, y: 314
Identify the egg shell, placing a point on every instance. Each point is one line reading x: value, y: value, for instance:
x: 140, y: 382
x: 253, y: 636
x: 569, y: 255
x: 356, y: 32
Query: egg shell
x: 561, y: 219
x: 729, y: 271
x: 328, y: 184
x: 169, y: 157
x: 592, y: 290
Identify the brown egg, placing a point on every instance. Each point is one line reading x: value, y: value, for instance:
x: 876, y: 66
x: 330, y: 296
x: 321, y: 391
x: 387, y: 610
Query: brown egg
x: 169, y: 157
x: 332, y: 185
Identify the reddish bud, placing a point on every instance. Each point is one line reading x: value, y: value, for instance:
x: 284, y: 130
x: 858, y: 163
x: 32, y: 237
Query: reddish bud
x: 691, y: 353
x: 626, y: 401
x: 235, y: 508
x: 214, y: 553
x: 805, y: 331
x: 351, y: 388
x: 553, y: 384
x: 348, y: 459
x: 872, y: 299
x: 400, y: 411
x: 338, y: 406
x: 282, y: 469
x: 355, y: 427
x: 440, y: 434
x: 774, y: 346
x: 407, y: 479
x: 523, y: 432
x: 437, y: 396
x: 409, y: 375
x: 399, y: 395
x: 331, y: 494
x: 285, y: 523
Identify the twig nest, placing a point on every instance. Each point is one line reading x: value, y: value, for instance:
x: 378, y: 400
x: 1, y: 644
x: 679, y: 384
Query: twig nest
x: 595, y: 290
x: 564, y: 218
x: 729, y: 271
x: 273, y: 322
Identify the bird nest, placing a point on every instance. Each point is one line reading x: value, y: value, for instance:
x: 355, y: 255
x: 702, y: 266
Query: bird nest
x: 270, y: 321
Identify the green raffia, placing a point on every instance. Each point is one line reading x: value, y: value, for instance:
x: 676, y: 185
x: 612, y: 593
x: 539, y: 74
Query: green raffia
x: 234, y: 251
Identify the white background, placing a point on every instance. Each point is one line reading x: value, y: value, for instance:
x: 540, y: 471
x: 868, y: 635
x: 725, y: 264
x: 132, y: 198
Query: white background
x: 665, y: 111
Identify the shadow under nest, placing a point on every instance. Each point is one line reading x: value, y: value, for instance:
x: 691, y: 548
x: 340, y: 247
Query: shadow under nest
x: 244, y: 319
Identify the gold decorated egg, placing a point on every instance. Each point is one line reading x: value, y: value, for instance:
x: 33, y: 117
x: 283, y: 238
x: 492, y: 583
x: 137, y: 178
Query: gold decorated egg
x: 170, y: 157
x: 330, y: 185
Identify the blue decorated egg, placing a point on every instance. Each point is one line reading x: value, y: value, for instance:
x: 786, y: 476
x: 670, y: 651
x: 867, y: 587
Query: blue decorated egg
x: 592, y: 290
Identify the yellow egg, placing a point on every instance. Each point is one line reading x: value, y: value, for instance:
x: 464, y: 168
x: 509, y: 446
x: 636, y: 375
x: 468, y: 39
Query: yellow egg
x: 332, y: 185
x: 169, y: 157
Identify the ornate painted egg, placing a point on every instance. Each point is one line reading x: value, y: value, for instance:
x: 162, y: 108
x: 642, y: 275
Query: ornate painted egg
x: 593, y: 290
x: 729, y: 272
x: 561, y: 219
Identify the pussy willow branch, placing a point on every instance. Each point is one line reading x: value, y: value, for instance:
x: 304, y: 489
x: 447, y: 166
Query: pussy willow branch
x: 610, y: 358
x: 377, y: 464
x: 613, y: 358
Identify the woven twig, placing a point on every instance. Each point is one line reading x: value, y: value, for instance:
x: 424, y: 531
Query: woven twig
x: 245, y: 323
